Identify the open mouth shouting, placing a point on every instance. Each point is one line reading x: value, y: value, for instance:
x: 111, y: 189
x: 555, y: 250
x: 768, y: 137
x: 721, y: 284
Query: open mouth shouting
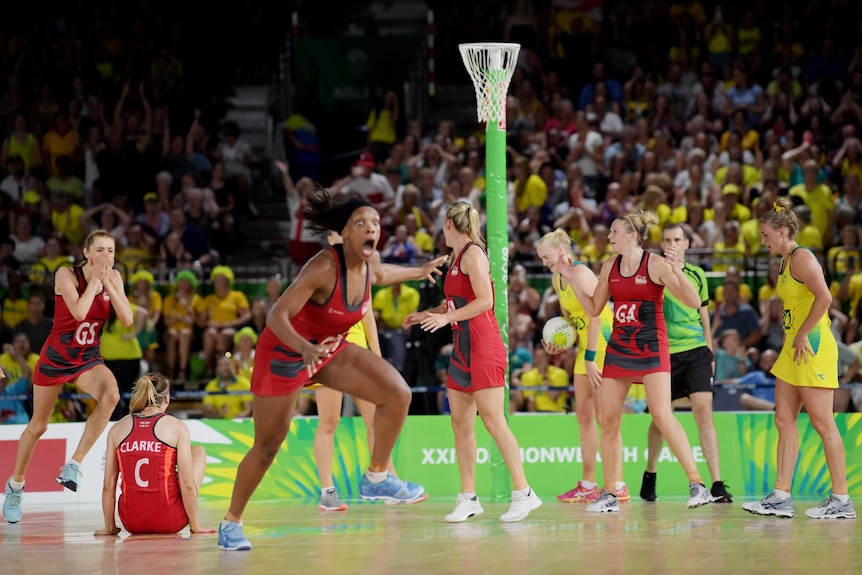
x: 368, y: 247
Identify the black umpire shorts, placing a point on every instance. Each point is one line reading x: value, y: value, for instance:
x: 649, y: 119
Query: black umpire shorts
x: 690, y: 372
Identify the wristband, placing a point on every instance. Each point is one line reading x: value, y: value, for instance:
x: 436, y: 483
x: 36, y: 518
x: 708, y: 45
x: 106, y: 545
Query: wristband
x: 590, y: 355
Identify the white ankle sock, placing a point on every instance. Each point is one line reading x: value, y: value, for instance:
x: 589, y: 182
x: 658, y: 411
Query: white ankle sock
x: 781, y: 494
x: 225, y: 523
x: 16, y: 484
x: 377, y: 476
x: 524, y: 491
x: 470, y: 496
x: 78, y: 463
x: 620, y: 485
x: 842, y: 498
x: 589, y: 484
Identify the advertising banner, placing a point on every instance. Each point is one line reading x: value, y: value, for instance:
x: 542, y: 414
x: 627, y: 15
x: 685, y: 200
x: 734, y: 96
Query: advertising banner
x: 425, y: 453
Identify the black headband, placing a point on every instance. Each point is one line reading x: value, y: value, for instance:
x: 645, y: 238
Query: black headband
x: 345, y: 210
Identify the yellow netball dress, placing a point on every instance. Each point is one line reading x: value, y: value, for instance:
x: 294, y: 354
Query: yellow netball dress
x: 356, y: 335
x: 581, y: 320
x: 822, y: 369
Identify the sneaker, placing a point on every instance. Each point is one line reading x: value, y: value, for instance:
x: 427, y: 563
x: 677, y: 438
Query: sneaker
x: 464, y: 509
x: 330, y: 501
x: 698, y: 495
x: 392, y: 491
x: 648, y: 486
x: 772, y: 504
x: 69, y: 475
x: 623, y: 495
x: 521, y: 506
x: 606, y: 503
x: 231, y: 538
x: 580, y: 494
x: 12, y: 504
x: 719, y: 493
x: 829, y: 509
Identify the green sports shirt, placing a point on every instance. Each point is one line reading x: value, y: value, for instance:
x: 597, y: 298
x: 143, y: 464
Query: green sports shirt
x: 684, y: 329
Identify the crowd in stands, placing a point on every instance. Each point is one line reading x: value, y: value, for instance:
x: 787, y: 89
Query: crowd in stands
x: 701, y: 112
x: 100, y: 129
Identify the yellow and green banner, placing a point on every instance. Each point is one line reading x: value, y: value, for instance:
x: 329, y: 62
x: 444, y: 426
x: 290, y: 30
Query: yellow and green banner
x: 550, y: 449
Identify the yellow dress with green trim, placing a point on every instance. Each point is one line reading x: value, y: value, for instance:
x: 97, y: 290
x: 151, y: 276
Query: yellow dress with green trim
x: 822, y: 369
x: 581, y: 321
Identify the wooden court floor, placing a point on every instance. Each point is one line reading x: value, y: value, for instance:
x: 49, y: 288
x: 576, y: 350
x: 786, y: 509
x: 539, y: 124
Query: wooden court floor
x: 293, y: 537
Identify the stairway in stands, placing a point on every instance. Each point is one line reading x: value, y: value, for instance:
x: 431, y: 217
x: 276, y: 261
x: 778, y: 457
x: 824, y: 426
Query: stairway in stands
x: 263, y: 235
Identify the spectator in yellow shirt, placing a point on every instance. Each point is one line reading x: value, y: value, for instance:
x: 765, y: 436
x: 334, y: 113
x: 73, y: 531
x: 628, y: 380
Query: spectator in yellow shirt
x: 66, y: 219
x: 599, y: 250
x: 809, y: 236
x: 750, y: 230
x: 179, y: 317
x: 62, y: 140
x: 391, y: 305
x: 52, y: 259
x: 15, y: 306
x: 146, y: 297
x: 847, y: 293
x: 421, y: 238
x: 17, y: 358
x: 220, y: 314
x: 839, y: 256
x: 730, y: 251
x: 224, y: 399
x: 819, y: 198
x: 545, y: 374
x: 749, y: 139
x: 530, y: 189
x: 243, y: 352
x: 381, y: 124
x: 730, y: 194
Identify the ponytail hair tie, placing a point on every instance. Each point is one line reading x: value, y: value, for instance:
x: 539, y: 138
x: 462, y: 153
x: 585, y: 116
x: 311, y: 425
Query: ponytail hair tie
x: 776, y: 207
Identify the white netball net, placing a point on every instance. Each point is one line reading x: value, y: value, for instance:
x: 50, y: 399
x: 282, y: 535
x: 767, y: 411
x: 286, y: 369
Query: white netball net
x: 491, y: 66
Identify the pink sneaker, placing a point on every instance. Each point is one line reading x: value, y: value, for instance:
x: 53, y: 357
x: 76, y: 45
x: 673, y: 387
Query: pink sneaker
x: 580, y: 494
x: 623, y: 495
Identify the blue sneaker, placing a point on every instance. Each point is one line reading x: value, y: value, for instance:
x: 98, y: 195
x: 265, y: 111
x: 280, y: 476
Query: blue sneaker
x: 231, y: 538
x: 12, y: 504
x: 69, y: 475
x: 392, y: 491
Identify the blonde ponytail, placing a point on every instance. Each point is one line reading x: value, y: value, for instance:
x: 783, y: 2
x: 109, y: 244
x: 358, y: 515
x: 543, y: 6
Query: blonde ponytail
x: 782, y: 216
x: 640, y: 223
x: 465, y: 219
x: 149, y: 391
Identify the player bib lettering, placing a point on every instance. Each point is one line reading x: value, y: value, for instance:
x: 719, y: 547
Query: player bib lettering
x: 148, y: 446
x: 626, y: 313
x: 138, y: 479
x: 86, y: 332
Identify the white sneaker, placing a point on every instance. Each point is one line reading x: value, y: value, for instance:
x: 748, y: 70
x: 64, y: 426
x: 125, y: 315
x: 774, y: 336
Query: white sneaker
x: 606, y: 503
x: 832, y: 509
x: 521, y: 506
x: 464, y: 509
x: 772, y: 504
x: 698, y: 495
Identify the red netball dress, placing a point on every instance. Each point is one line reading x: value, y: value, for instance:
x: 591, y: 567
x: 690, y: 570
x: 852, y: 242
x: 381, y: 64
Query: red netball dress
x: 638, y: 344
x: 150, y: 498
x: 280, y: 370
x: 73, y: 346
x: 478, y: 359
